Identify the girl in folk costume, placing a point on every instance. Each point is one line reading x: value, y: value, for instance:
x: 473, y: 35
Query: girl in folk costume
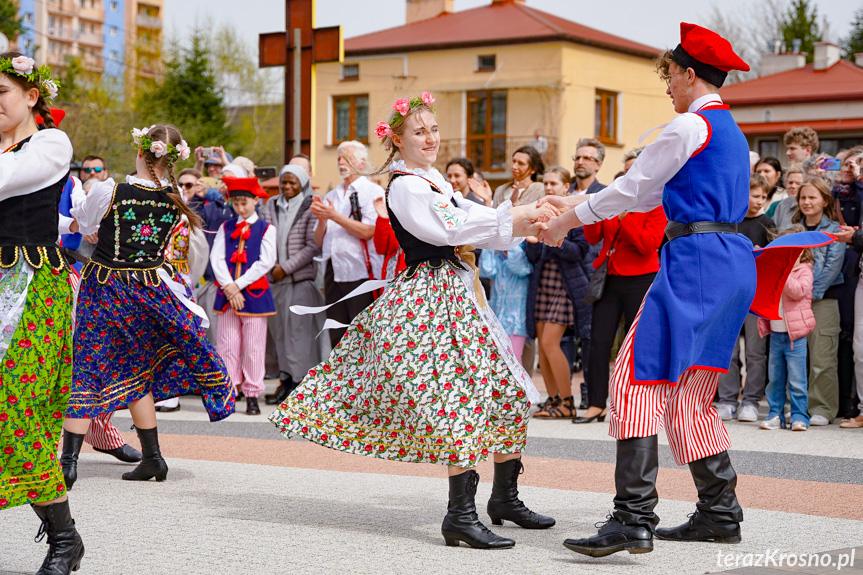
x: 138, y: 337
x: 35, y: 307
x: 426, y: 373
x: 243, y: 252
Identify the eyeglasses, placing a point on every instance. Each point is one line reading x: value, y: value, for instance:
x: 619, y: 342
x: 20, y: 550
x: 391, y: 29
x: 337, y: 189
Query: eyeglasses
x: 97, y: 169
x: 187, y: 185
x: 667, y: 77
x: 584, y: 158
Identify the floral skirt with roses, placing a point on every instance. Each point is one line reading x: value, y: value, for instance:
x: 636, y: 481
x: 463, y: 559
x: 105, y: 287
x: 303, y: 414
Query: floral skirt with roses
x: 417, y: 377
x: 35, y: 376
x: 132, y: 339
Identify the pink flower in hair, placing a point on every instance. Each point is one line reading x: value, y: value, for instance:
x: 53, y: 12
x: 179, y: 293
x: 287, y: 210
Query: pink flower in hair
x: 383, y: 130
x: 427, y: 99
x: 159, y: 148
x: 23, y: 65
x: 402, y: 106
x: 183, y: 150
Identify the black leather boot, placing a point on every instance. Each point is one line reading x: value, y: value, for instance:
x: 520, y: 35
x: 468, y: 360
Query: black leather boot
x: 717, y: 514
x: 585, y: 400
x: 152, y: 464
x: 252, y: 406
x: 126, y: 454
x: 504, y: 503
x: 72, y: 443
x: 65, y: 548
x: 461, y: 522
x: 631, y: 526
x: 282, y: 392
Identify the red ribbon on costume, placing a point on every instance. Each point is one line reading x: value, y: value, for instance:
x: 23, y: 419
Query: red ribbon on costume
x: 240, y: 257
x: 242, y: 230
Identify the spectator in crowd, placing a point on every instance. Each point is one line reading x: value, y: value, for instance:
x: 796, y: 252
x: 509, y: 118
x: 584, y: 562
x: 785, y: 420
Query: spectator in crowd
x: 292, y: 281
x: 753, y: 160
x: 787, y: 370
x: 93, y: 168
x: 556, y: 180
x: 588, y: 158
x: 192, y: 186
x: 771, y: 170
x: 629, y: 252
x: 756, y: 227
x: 247, y: 165
x: 304, y: 162
x: 782, y: 211
x: 817, y: 212
x: 539, y: 142
x: 212, y: 164
x: 526, y: 168
x: 460, y: 174
x: 630, y: 157
x: 555, y: 301
x: 345, y: 229
x: 847, y: 192
x: 510, y: 271
x: 800, y: 144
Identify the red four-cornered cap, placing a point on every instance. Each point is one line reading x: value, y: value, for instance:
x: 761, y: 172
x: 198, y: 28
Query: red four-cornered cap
x: 710, y: 48
x: 244, y: 187
x: 56, y: 114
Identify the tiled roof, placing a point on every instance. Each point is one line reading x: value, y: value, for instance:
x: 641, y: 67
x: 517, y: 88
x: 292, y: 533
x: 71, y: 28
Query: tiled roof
x: 841, y: 81
x: 499, y: 23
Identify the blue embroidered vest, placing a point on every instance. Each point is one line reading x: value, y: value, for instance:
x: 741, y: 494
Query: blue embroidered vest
x: 259, y: 298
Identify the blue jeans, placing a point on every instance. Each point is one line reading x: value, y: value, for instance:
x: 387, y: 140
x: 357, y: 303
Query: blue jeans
x: 787, y: 370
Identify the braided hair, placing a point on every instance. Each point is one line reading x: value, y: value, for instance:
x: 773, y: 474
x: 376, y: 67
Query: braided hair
x: 169, y: 135
x: 41, y: 108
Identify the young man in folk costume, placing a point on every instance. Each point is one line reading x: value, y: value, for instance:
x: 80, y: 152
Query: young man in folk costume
x: 243, y: 252
x: 667, y: 371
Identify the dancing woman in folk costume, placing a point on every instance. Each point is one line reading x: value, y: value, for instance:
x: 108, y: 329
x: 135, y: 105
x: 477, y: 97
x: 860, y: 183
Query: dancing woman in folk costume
x: 426, y: 374
x: 667, y: 371
x: 138, y: 337
x: 35, y: 308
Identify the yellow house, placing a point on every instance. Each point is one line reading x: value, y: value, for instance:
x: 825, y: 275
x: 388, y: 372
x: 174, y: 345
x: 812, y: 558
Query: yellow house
x: 498, y: 72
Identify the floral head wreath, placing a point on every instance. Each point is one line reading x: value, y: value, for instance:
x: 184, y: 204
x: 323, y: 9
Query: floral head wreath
x: 402, y: 108
x: 141, y: 141
x: 26, y: 68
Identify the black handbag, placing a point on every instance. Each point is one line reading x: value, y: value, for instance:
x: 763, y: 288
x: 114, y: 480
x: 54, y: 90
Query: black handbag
x: 596, y: 285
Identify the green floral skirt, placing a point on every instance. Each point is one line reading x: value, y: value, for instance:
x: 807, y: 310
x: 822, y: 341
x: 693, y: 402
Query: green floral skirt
x: 417, y: 377
x: 35, y: 373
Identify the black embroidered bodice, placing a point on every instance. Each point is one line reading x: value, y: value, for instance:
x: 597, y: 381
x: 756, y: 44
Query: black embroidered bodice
x: 28, y: 225
x: 134, y: 233
x: 417, y: 251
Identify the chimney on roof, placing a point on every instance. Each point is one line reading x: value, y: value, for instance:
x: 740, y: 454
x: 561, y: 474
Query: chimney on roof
x: 858, y: 59
x: 826, y: 54
x: 776, y: 63
x: 418, y: 10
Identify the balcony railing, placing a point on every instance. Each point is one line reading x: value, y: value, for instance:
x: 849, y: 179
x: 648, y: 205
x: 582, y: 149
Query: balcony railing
x: 62, y: 34
x: 154, y: 22
x: 91, y: 39
x: 96, y: 13
x: 500, y: 158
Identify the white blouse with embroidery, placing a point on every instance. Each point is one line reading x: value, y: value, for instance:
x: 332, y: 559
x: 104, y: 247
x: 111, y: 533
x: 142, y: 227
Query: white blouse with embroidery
x: 433, y: 218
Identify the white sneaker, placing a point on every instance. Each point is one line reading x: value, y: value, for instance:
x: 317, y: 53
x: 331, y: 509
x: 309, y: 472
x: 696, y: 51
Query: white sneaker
x: 799, y: 426
x: 725, y: 411
x: 818, y: 420
x: 770, y: 424
x: 748, y: 413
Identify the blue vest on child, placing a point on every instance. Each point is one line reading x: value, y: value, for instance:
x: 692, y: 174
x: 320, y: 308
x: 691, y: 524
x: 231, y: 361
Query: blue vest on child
x: 259, y: 298
x: 695, y: 308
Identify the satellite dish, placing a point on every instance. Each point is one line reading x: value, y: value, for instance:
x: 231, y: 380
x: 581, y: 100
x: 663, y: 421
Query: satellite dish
x: 4, y: 43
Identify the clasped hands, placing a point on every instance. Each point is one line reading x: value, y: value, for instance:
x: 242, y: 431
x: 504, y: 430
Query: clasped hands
x: 548, y: 220
x: 234, y: 295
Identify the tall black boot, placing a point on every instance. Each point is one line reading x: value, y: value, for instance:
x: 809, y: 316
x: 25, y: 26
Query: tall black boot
x: 631, y: 526
x: 152, y: 464
x: 65, y: 548
x: 717, y: 514
x: 69, y: 457
x: 461, y: 522
x: 286, y: 386
x: 504, y: 502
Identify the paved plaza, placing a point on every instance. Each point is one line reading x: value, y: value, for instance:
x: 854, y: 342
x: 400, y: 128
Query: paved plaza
x: 240, y: 499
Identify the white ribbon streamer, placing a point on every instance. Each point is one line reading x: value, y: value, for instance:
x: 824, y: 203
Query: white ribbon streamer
x: 365, y: 287
x: 179, y: 291
x: 650, y: 131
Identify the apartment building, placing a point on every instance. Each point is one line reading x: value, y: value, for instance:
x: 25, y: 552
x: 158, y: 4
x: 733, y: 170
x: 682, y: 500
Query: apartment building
x: 117, y: 42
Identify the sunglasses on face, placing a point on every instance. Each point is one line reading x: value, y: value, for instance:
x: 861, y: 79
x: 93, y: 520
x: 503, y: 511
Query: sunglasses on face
x: 91, y: 170
x: 186, y: 185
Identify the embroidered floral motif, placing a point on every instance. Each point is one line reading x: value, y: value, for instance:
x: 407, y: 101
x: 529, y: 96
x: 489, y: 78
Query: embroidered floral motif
x: 129, y: 215
x: 446, y: 212
x: 145, y: 231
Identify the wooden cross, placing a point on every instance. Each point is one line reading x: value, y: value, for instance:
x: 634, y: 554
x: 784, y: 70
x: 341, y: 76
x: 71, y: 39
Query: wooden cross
x: 298, y: 49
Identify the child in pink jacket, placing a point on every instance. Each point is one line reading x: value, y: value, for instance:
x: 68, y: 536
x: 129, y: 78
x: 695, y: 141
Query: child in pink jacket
x: 787, y: 360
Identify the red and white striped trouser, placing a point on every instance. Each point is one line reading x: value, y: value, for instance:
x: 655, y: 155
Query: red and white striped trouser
x: 102, y: 434
x: 692, y: 425
x: 242, y: 342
